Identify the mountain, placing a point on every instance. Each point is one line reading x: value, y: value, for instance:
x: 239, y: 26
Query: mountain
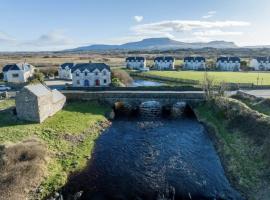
x: 157, y: 44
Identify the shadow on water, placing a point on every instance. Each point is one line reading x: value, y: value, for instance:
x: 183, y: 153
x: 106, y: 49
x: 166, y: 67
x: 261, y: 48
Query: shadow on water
x: 158, y: 159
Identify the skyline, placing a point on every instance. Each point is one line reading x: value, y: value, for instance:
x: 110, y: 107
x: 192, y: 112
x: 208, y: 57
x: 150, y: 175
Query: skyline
x: 39, y: 26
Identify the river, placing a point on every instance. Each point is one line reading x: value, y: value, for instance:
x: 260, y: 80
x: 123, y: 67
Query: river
x: 165, y: 159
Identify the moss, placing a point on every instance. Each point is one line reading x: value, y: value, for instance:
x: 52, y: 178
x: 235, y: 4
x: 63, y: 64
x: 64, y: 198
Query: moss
x: 69, y: 136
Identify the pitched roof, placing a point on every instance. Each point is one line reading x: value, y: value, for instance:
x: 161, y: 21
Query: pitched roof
x: 69, y: 65
x: 164, y: 58
x: 38, y: 89
x: 194, y: 59
x: 139, y: 58
x: 18, y: 66
x: 228, y: 59
x: 262, y: 59
x: 90, y: 67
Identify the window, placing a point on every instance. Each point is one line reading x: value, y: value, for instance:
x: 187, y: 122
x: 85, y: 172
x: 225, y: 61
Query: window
x: 96, y: 73
x: 105, y: 81
x: 78, y: 82
x: 104, y: 73
x: 77, y: 74
x: 85, y: 73
x: 15, y: 75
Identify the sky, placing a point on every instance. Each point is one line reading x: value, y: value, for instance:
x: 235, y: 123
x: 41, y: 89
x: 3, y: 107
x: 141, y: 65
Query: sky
x: 33, y: 25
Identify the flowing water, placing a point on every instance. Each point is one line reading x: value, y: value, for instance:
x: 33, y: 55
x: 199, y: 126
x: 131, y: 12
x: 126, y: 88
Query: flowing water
x: 165, y: 159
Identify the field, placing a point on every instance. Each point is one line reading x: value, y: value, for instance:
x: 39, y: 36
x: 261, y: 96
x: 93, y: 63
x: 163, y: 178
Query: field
x: 229, y: 77
x: 69, y: 136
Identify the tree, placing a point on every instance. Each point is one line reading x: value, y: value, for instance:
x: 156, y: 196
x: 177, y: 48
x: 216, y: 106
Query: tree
x: 37, y: 77
x: 244, y: 66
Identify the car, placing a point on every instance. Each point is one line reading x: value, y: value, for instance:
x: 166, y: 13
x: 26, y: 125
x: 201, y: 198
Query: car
x: 4, y: 88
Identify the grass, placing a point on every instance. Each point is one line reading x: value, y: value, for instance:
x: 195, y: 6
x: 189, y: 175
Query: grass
x: 69, y: 136
x: 4, y: 104
x: 229, y: 77
x: 244, y: 162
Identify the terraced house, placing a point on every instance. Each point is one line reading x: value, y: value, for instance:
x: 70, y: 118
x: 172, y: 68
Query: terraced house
x: 228, y: 63
x: 194, y: 63
x: 64, y: 71
x: 91, y: 74
x: 164, y: 63
x: 138, y: 63
x: 260, y: 63
x: 18, y: 73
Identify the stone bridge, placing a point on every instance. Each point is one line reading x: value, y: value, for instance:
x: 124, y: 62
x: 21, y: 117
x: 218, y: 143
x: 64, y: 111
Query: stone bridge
x: 135, y: 98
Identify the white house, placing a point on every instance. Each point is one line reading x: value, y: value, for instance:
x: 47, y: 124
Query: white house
x: 18, y: 73
x: 228, y: 63
x: 91, y: 74
x: 138, y: 63
x: 194, y: 63
x: 164, y: 63
x: 64, y: 71
x: 260, y: 64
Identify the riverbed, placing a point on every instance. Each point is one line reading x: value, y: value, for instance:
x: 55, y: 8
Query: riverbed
x: 165, y: 159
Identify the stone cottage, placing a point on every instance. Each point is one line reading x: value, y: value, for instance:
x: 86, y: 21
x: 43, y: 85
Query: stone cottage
x: 37, y: 102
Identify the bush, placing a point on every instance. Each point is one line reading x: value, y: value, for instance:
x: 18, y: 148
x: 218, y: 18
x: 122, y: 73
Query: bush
x: 122, y: 76
x: 117, y: 83
x: 38, y: 77
x: 49, y: 72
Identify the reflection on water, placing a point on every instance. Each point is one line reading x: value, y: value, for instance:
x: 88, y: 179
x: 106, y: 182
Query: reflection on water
x: 166, y: 159
x: 141, y: 82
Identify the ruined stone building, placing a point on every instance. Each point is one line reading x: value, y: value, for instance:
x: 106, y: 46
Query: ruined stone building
x: 37, y: 102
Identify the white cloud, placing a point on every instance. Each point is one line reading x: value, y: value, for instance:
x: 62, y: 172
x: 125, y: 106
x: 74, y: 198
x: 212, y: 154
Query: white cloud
x: 138, y: 18
x: 210, y: 33
x: 5, y: 38
x: 209, y: 14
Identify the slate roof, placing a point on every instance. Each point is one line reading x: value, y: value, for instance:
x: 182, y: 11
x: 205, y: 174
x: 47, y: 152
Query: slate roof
x: 90, y: 67
x: 138, y: 59
x: 228, y: 59
x: 18, y: 66
x: 194, y: 59
x: 164, y: 58
x: 38, y: 89
x: 69, y: 65
x: 263, y: 59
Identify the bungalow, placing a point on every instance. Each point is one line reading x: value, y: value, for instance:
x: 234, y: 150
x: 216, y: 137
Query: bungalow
x: 194, y: 63
x: 138, y: 63
x: 64, y: 71
x: 260, y: 63
x: 164, y: 63
x: 228, y: 63
x: 91, y: 74
x: 18, y: 73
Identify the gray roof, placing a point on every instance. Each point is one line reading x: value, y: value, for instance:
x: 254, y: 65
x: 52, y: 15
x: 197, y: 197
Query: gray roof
x: 194, y: 59
x: 228, y: 59
x: 90, y: 67
x: 57, y: 96
x: 138, y: 59
x: 164, y: 58
x: 38, y: 89
x: 69, y: 65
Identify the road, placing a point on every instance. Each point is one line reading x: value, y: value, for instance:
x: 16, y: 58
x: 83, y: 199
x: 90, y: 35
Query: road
x: 258, y: 93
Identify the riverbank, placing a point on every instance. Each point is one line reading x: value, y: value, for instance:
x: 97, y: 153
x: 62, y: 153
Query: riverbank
x: 241, y: 137
x: 68, y: 138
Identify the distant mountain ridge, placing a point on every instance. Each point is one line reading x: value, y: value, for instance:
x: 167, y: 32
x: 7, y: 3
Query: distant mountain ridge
x: 157, y: 44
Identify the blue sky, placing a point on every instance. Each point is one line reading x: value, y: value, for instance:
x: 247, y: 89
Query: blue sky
x: 59, y: 24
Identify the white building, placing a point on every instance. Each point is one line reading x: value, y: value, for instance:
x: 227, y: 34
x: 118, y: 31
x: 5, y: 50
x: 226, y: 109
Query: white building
x: 164, y: 63
x: 91, y: 74
x: 194, y: 63
x: 138, y: 63
x: 228, y: 63
x: 18, y: 73
x: 260, y: 64
x: 64, y: 71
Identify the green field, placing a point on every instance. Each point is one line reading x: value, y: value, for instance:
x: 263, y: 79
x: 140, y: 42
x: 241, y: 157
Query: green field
x: 69, y: 136
x: 228, y: 77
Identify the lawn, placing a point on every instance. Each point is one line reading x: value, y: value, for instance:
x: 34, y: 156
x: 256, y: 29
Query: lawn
x: 4, y: 104
x: 69, y: 135
x: 229, y: 77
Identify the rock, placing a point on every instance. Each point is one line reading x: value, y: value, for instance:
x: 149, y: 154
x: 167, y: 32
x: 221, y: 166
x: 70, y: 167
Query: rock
x: 110, y: 115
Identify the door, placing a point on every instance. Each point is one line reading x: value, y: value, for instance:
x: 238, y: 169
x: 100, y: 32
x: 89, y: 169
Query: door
x: 97, y: 82
x: 86, y: 83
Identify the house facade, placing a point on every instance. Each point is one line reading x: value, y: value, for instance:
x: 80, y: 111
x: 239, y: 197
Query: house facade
x: 137, y: 63
x: 194, y: 63
x: 64, y: 71
x: 91, y: 75
x: 37, y: 102
x: 228, y: 63
x: 18, y: 73
x: 164, y: 63
x: 260, y: 63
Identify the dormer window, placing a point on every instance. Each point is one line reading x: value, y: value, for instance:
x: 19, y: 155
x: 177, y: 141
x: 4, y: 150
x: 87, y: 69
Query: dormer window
x: 96, y: 73
x: 85, y: 73
x: 77, y: 73
x: 104, y: 73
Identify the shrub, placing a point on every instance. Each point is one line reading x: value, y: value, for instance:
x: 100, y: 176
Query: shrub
x: 38, y: 77
x: 117, y: 83
x: 122, y: 76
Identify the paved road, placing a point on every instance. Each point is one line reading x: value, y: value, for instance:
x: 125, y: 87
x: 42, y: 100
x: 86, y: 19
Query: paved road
x: 259, y: 93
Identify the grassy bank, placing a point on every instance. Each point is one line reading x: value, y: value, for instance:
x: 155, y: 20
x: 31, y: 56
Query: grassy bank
x: 228, y: 77
x: 242, y: 139
x: 69, y: 136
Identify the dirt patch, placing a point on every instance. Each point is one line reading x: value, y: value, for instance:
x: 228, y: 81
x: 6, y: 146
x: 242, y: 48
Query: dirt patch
x: 22, y: 168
